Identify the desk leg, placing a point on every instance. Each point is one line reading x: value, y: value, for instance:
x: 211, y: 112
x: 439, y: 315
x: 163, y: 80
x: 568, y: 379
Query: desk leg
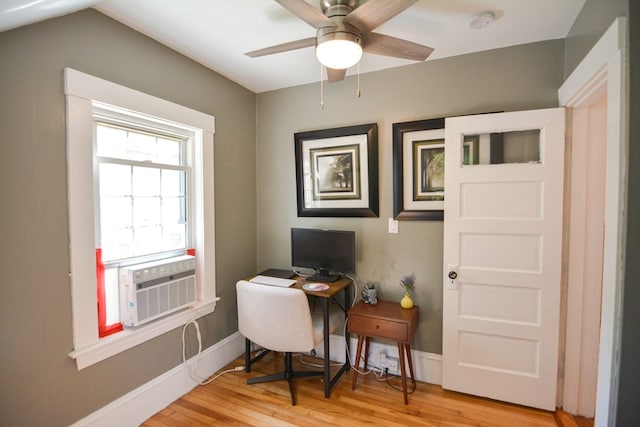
x: 403, y: 372
x: 347, y: 340
x: 247, y: 355
x: 327, y: 355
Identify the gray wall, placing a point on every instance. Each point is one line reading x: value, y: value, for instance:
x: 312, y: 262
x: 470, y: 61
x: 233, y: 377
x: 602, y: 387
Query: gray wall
x: 593, y: 20
x: 519, y: 78
x: 628, y: 413
x: 40, y: 383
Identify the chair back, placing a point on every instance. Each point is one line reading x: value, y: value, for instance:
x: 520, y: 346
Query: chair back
x: 275, y: 318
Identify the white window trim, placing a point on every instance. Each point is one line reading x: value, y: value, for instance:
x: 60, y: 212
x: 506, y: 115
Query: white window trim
x: 81, y: 91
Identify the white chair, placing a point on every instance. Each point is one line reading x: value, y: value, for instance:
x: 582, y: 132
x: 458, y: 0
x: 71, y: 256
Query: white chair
x: 278, y: 319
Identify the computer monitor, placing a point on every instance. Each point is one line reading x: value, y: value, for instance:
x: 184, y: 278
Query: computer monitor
x: 331, y: 253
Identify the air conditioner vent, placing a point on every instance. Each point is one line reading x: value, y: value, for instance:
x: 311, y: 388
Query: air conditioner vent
x: 154, y: 289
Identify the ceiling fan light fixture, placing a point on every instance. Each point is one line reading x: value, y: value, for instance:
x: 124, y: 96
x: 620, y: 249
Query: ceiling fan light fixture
x: 339, y: 51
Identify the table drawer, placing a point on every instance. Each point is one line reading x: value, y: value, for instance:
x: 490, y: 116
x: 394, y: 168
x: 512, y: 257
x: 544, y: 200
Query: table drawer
x: 381, y: 328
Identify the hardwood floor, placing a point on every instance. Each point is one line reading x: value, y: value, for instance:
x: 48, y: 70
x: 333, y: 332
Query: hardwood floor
x: 230, y: 401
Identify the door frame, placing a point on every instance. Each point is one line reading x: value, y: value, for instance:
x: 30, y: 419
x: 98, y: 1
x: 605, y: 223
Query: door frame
x: 606, y: 64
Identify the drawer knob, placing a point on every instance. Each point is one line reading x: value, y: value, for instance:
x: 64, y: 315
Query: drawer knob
x: 377, y: 326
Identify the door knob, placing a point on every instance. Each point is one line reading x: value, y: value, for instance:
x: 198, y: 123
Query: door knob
x: 452, y: 275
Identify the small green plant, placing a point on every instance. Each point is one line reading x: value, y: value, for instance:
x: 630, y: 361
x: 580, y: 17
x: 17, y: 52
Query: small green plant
x: 408, y: 282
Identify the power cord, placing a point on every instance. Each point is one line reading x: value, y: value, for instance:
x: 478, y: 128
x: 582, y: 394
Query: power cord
x: 355, y: 289
x: 193, y: 372
x: 313, y: 365
x: 395, y: 387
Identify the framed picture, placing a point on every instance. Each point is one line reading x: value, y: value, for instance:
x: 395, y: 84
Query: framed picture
x: 470, y: 150
x: 418, y: 170
x: 337, y: 171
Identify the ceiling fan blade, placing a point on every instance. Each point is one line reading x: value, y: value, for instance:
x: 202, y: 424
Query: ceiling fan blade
x: 334, y: 75
x: 380, y: 44
x: 374, y: 13
x: 284, y: 47
x: 307, y: 13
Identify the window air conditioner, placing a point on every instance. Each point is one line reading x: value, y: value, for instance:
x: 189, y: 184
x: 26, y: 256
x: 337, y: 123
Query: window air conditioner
x: 154, y: 289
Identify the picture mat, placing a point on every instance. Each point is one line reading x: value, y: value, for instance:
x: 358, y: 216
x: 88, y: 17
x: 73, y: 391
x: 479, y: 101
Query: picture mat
x: 335, y: 143
x: 407, y: 164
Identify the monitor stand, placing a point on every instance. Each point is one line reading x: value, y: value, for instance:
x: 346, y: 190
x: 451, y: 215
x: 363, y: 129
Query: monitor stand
x: 323, y: 276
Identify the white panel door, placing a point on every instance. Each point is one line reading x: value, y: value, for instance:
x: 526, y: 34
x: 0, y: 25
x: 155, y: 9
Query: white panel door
x: 502, y: 255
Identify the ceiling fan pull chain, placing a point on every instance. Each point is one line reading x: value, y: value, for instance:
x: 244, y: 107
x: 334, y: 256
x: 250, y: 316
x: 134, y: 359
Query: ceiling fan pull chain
x: 321, y: 90
x: 358, y: 90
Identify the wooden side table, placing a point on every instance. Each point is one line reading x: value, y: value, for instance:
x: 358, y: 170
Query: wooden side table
x: 386, y: 320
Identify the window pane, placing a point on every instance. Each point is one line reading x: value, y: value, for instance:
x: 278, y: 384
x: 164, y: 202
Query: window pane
x: 141, y: 147
x: 173, y: 183
x: 130, y: 144
x: 115, y: 180
x: 146, y: 181
x: 146, y: 211
x: 173, y: 211
x: 499, y: 148
x: 111, y: 142
x: 169, y: 151
x: 174, y: 236
x: 115, y: 212
x: 117, y: 244
x: 148, y: 240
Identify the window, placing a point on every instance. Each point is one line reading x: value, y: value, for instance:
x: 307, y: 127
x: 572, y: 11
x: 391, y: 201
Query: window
x: 143, y: 180
x: 140, y: 184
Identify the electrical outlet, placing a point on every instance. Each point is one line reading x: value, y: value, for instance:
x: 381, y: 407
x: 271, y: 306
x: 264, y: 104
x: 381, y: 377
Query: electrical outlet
x: 382, y: 359
x: 391, y: 363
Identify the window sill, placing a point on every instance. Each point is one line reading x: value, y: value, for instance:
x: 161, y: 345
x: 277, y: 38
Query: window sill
x: 129, y: 338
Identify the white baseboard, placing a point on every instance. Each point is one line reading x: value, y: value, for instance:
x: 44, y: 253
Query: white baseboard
x: 138, y: 405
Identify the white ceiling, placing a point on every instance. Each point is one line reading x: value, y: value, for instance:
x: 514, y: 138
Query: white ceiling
x: 217, y: 33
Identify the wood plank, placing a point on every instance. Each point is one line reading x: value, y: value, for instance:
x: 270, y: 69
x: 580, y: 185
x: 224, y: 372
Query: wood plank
x: 230, y: 401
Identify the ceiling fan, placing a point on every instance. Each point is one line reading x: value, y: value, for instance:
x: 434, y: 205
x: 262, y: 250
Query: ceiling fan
x: 344, y: 31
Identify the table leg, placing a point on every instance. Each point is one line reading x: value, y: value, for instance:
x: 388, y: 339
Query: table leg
x: 357, y: 362
x: 408, y: 351
x: 366, y: 353
x: 403, y: 372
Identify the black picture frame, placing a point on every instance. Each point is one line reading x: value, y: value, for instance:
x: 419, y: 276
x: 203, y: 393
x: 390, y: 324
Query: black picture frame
x: 408, y: 136
x: 337, y: 172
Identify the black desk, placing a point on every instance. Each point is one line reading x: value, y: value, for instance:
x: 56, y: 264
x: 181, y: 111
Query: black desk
x: 325, y: 297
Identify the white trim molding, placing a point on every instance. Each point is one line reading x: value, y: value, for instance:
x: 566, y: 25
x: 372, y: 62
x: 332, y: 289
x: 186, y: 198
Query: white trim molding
x: 587, y: 75
x: 606, y: 66
x: 83, y: 92
x: 114, y: 344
